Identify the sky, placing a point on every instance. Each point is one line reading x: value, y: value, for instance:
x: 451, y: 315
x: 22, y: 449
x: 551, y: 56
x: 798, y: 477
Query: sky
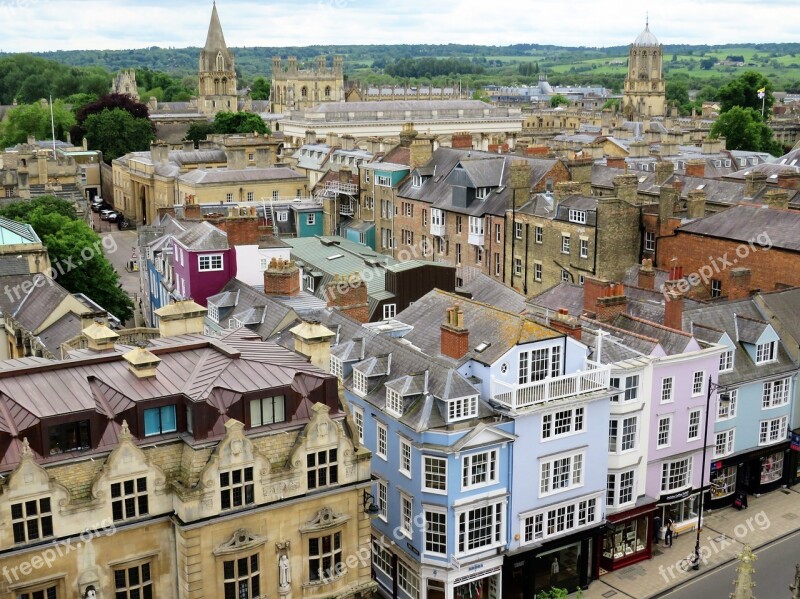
x: 46, y: 25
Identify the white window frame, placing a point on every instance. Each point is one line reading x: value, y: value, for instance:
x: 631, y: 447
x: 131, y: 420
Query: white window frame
x: 537, y: 271
x: 462, y: 408
x: 726, y: 361
x: 698, y: 383
x: 381, y: 440
x: 565, y: 243
x: 668, y: 472
x: 336, y: 367
x: 210, y: 259
x: 775, y: 393
x: 389, y: 311
x: 667, y: 389
x: 405, y: 457
x: 584, y: 248
x: 518, y: 267
x: 358, y: 420
x: 767, y: 352
x: 555, y: 471
x: 544, y: 523
x: 773, y: 430
x: 725, y: 440
x: 577, y: 216
x: 517, y: 229
x: 479, y: 465
x: 614, y: 488
x: 476, y: 225
x: 726, y: 412
x: 394, y: 403
x: 383, y: 181
x: 382, y: 497
x: 311, y: 219
x: 406, y: 527
x: 407, y: 580
x: 695, y: 422
x: 466, y: 526
x: 429, y: 473
x: 359, y: 383
x: 435, y: 535
x: 649, y: 241
x: 538, y: 234
x: 667, y: 418
x: 551, y: 423
x: 213, y: 313
x: 621, y: 437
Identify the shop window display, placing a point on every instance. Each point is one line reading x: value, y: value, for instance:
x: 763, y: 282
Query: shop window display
x: 771, y: 468
x: 626, y: 539
x: 723, y: 482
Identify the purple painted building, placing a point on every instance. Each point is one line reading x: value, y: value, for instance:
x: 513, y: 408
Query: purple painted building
x: 203, y: 262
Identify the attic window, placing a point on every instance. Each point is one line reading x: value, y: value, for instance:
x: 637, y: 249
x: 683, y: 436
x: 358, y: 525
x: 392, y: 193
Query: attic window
x: 394, y: 403
x: 481, y: 347
x: 577, y: 216
x: 335, y: 256
x: 462, y: 408
x: 416, y: 180
x: 483, y: 192
x: 701, y: 187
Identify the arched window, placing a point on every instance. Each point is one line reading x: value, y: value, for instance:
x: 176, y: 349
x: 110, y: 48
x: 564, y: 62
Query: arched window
x: 216, y: 87
x: 220, y: 62
x: 328, y: 91
x: 304, y: 92
x: 224, y: 87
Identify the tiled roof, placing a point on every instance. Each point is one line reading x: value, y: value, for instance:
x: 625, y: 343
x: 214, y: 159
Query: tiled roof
x: 248, y: 175
x: 750, y: 223
x: 203, y: 237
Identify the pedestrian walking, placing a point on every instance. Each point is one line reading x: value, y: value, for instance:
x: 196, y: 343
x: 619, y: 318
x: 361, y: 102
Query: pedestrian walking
x: 669, y: 531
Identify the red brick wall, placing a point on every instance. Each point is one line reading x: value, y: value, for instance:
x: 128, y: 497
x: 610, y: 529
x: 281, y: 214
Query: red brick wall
x: 769, y: 268
x: 242, y: 230
x: 455, y: 343
x: 286, y: 282
x: 350, y: 299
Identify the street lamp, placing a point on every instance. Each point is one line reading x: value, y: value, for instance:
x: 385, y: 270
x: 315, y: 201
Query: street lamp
x: 724, y: 398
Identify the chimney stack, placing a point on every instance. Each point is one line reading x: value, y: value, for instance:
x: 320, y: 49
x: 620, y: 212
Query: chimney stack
x: 673, y: 304
x: 99, y: 337
x: 616, y: 162
x: 777, y: 198
x: 664, y: 170
x: 520, y: 181
x: 181, y: 318
x: 696, y: 168
x: 647, y: 274
x: 311, y: 137
x: 789, y: 180
x: 348, y: 294
x: 454, y: 337
x: 461, y: 141
x: 141, y: 362
x: 611, y: 303
x: 407, y: 135
x: 282, y: 277
x: 696, y: 204
x: 626, y: 188
x: 421, y: 151
x: 236, y: 159
x: 159, y: 152
x: 314, y: 340
x: 564, y: 323
x: 754, y: 181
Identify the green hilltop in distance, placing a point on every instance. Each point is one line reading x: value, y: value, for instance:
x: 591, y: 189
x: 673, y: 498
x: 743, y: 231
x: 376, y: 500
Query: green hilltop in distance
x: 476, y: 66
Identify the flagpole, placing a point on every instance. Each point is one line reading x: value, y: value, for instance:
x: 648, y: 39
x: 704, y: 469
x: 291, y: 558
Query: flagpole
x: 52, y: 126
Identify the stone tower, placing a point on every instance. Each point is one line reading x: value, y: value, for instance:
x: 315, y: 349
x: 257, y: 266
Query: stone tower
x: 294, y: 88
x: 125, y: 83
x: 645, y: 90
x: 217, y: 72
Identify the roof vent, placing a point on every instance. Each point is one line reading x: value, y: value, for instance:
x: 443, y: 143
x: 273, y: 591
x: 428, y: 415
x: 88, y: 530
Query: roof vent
x: 141, y: 362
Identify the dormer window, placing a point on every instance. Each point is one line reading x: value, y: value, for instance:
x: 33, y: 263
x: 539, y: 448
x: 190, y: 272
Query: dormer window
x: 462, y: 408
x: 213, y: 312
x: 577, y: 216
x: 394, y: 403
x: 72, y: 436
x: 482, y: 193
x: 359, y: 383
x: 416, y: 180
x: 766, y: 352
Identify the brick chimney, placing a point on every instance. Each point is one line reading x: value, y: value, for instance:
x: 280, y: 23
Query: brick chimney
x: 407, y: 135
x: 564, y: 189
x: 777, y: 198
x: 348, y: 294
x: 740, y: 283
x: 455, y: 338
x: 519, y: 180
x: 612, y: 303
x: 667, y: 198
x: 696, y: 204
x: 592, y: 290
x: 421, y: 151
x: 647, y: 274
x: 580, y: 169
x: 282, y: 277
x: 753, y: 183
x: 696, y: 168
x: 789, y: 180
x: 564, y: 323
x: 673, y: 304
x: 461, y: 141
x: 664, y: 170
x: 615, y: 162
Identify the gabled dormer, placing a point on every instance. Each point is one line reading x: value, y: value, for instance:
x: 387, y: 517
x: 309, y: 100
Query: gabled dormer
x: 345, y: 355
x: 400, y: 392
x: 371, y: 368
x: 758, y: 338
x: 459, y: 399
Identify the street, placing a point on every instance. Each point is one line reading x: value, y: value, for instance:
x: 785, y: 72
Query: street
x: 774, y: 572
x: 125, y: 246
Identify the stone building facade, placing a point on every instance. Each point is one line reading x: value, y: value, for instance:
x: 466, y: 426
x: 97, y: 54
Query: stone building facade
x: 125, y: 83
x: 295, y: 88
x: 184, y: 501
x: 644, y: 93
x: 217, y: 71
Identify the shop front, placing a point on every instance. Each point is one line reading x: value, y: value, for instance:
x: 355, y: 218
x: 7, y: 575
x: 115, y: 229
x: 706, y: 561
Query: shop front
x: 480, y: 580
x: 627, y: 537
x: 682, y: 507
x: 568, y: 563
x: 794, y: 458
x: 754, y: 472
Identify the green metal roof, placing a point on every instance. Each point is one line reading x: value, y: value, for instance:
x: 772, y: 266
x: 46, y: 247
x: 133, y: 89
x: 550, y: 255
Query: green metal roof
x: 15, y: 233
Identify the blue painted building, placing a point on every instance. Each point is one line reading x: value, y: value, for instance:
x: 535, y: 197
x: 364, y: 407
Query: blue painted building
x: 453, y: 402
x: 758, y: 380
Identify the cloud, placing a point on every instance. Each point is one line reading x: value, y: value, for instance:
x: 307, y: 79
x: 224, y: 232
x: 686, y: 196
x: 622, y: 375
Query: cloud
x: 45, y: 25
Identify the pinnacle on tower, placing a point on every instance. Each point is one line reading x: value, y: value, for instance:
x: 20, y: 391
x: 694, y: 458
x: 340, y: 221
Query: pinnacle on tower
x: 215, y: 40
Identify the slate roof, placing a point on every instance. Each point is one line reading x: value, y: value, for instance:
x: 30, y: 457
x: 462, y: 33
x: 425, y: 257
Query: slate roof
x: 401, y: 105
x: 13, y: 265
x: 746, y: 223
x: 486, y: 324
x: 671, y: 341
x: 483, y: 288
x: 247, y: 175
x: 486, y: 168
x: 40, y: 302
x: 562, y: 295
x: 785, y: 306
x: 723, y: 317
x: 65, y: 328
x: 203, y: 237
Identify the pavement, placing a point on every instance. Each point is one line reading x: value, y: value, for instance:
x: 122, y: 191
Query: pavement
x: 725, y: 532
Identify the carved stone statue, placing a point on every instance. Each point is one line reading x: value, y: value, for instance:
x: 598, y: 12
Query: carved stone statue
x: 285, y: 574
x: 90, y: 593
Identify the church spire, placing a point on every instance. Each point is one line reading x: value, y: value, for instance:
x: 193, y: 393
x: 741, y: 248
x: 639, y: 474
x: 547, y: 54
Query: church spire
x: 215, y: 40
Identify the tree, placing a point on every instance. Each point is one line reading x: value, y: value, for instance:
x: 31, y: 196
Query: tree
x: 558, y: 100
x: 480, y: 94
x: 677, y: 92
x: 612, y: 104
x: 707, y: 63
x: 744, y: 129
x: 260, y: 89
x: 115, y: 133
x: 76, y: 250
x: 743, y: 92
x: 198, y: 131
x: 107, y: 102
x: 34, y: 119
x: 239, y: 122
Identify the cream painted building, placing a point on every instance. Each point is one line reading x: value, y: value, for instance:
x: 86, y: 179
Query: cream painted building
x: 295, y: 88
x: 149, y: 478
x: 644, y: 93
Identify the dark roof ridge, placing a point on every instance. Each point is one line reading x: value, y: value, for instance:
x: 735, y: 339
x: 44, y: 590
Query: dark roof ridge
x: 758, y: 320
x: 708, y: 328
x: 624, y: 331
x: 460, y: 299
x: 655, y: 324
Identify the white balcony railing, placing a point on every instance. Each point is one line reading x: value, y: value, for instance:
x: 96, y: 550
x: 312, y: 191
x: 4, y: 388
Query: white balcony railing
x: 438, y: 230
x: 517, y: 397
